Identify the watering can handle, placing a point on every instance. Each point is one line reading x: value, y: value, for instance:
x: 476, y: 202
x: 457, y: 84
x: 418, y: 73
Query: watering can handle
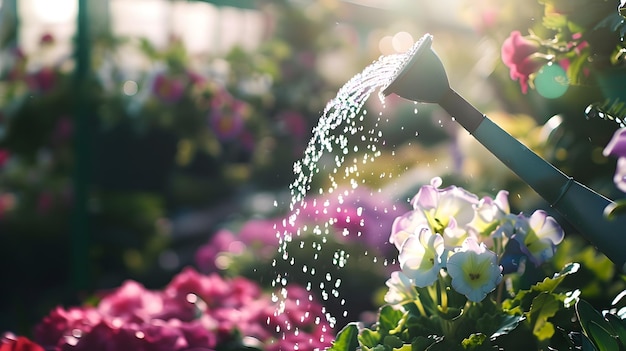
x: 580, y: 206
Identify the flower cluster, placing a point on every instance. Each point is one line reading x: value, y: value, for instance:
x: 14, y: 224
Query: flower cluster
x: 354, y: 215
x: 461, y: 261
x: 194, y: 311
x: 474, y: 241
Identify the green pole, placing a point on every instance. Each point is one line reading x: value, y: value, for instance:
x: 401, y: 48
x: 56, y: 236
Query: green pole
x: 80, y: 224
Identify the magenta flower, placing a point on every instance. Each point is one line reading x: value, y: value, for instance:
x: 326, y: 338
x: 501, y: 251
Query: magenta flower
x: 474, y: 270
x: 18, y: 343
x: 193, y: 312
x: 227, y: 121
x: 42, y: 81
x: 617, y: 148
x: 358, y: 214
x: 518, y: 53
x: 168, y: 89
x: 131, y: 302
x: 5, y: 155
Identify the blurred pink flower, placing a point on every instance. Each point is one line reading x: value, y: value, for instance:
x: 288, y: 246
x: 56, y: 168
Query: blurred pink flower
x: 193, y: 312
x: 131, y: 302
x: 293, y: 123
x: 46, y: 39
x: 4, y: 156
x: 227, y: 120
x: 45, y: 202
x: 518, y: 53
x: 168, y: 89
x: 20, y: 343
x: 42, y: 81
x: 357, y: 214
x: 63, y: 130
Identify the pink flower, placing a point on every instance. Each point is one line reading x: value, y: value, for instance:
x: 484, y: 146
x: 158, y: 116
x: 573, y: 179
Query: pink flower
x: 20, y: 343
x: 206, y: 257
x: 4, y: 157
x: 357, y: 214
x: 168, y: 89
x: 131, y: 303
x: 42, y: 80
x: 518, y: 53
x: 227, y: 120
x: 47, y: 39
x: 59, y: 323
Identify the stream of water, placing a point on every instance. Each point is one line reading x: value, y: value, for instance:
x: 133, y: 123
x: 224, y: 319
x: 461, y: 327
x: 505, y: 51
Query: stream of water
x: 342, y: 119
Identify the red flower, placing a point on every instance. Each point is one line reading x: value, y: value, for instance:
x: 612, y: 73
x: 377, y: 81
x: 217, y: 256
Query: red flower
x: 9, y: 343
x: 518, y: 53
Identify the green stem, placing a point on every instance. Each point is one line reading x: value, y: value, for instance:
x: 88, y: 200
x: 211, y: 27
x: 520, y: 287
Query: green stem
x: 420, y: 307
x: 443, y: 295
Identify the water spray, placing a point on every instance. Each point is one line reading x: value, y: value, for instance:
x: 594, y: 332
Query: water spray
x: 422, y: 78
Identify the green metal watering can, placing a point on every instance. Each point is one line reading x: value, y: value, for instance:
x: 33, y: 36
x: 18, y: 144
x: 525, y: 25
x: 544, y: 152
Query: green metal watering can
x: 423, y: 78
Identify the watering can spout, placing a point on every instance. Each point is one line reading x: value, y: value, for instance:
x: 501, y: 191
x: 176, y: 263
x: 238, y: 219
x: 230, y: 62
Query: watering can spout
x: 422, y: 78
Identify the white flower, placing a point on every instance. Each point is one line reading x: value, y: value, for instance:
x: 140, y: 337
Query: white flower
x: 420, y: 257
x: 400, y: 289
x: 474, y: 270
x: 538, y: 236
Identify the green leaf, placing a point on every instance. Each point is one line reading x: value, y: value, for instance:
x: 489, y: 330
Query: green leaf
x: 554, y: 21
x: 587, y: 314
x: 393, y: 341
x: 421, y: 343
x: 389, y: 318
x: 507, y: 324
x: 369, y: 337
x: 543, y: 307
x: 346, y: 339
x: 473, y: 341
x: 549, y: 284
x: 619, y: 326
x: 601, y: 337
x: 588, y: 344
x: 405, y: 347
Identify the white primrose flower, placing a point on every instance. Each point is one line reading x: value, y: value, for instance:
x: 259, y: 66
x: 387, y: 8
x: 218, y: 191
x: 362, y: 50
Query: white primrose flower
x: 474, y: 270
x: 420, y: 257
x: 538, y: 236
x: 401, y: 289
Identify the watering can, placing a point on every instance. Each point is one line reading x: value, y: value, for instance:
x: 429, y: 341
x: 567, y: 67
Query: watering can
x: 422, y: 78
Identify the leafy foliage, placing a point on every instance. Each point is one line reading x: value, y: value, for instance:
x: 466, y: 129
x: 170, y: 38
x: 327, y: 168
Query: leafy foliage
x: 520, y: 323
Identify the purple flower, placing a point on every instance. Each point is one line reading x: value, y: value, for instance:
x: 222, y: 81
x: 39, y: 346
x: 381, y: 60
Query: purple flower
x: 617, y: 148
x: 358, y: 214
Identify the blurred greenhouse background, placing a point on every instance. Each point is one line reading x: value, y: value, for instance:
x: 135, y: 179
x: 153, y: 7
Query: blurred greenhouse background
x: 135, y: 132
